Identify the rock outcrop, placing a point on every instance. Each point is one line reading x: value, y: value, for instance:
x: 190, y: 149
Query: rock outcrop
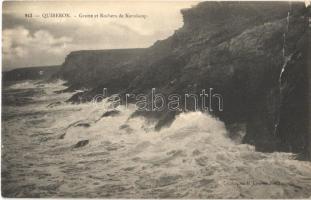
x: 253, y: 53
x: 94, y: 68
x: 81, y: 143
x: 30, y: 73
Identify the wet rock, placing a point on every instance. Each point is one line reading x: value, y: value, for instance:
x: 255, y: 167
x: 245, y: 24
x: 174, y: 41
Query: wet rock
x: 111, y: 113
x: 124, y: 126
x: 81, y: 97
x: 62, y: 136
x: 85, y: 125
x: 79, y: 123
x: 240, y: 57
x: 31, y: 73
x: 81, y: 143
x: 51, y: 105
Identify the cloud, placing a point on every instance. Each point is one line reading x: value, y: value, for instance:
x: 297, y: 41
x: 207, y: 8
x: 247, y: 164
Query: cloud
x: 20, y: 48
x: 39, y: 41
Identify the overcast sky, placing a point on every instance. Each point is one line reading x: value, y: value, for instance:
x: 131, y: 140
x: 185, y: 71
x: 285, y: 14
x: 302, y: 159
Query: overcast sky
x: 42, y: 41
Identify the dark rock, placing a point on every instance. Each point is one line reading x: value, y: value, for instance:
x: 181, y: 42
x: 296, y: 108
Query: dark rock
x: 235, y: 48
x: 236, y: 132
x: 111, y: 113
x: 30, y: 73
x: 94, y: 67
x: 293, y: 116
x: 68, y: 89
x: 81, y: 143
x: 85, y: 125
x: 62, y: 136
x: 163, y: 118
x: 124, y: 126
x: 166, y: 120
x: 51, y: 105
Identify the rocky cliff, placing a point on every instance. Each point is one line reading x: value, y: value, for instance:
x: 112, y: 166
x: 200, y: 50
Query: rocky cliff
x: 253, y: 53
x: 30, y: 73
x: 91, y: 68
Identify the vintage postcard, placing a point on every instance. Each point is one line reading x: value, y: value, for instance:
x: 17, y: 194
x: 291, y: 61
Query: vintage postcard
x: 156, y: 99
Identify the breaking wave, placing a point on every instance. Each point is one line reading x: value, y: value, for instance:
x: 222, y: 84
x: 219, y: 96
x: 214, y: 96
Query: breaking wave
x: 56, y: 149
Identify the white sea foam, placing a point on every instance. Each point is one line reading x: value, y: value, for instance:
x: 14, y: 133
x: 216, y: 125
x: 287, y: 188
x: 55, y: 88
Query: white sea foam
x: 126, y: 157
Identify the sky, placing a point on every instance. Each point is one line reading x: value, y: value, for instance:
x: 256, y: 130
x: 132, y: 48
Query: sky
x: 41, y: 41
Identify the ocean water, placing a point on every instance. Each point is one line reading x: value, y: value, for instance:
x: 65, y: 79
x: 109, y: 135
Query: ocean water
x: 55, y: 149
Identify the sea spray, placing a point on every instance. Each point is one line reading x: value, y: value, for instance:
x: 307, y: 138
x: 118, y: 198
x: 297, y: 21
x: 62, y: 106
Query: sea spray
x: 123, y: 156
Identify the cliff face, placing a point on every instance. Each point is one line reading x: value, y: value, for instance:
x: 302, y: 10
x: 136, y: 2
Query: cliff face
x: 30, y: 73
x: 95, y: 67
x: 253, y: 53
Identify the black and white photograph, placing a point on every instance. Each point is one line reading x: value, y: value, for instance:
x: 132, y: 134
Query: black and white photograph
x: 156, y: 99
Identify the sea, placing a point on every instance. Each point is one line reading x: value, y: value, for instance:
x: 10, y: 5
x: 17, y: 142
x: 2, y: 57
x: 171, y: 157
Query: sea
x: 51, y: 148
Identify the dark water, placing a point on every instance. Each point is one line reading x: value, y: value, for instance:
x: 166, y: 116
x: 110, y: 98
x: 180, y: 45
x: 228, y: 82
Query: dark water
x: 54, y: 149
